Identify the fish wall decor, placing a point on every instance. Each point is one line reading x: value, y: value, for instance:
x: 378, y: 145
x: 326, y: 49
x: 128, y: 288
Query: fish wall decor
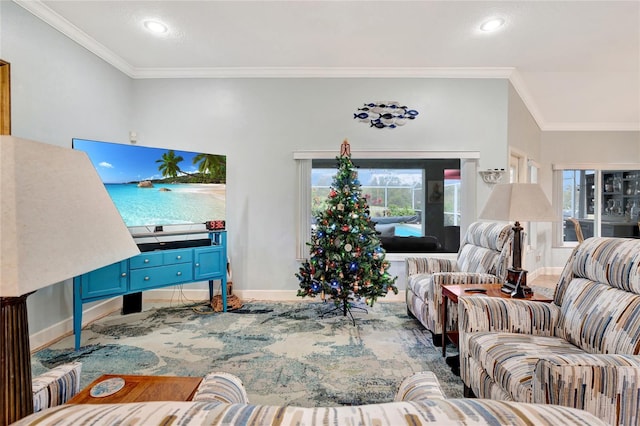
x: 385, y: 114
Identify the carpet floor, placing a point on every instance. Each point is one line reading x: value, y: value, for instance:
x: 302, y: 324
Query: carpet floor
x: 284, y: 352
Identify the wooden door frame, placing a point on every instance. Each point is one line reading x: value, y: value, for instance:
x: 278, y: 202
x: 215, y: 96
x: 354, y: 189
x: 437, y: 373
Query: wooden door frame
x: 5, y: 98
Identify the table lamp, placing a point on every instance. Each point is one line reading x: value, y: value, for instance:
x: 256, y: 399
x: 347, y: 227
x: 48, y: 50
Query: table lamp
x: 518, y: 202
x: 57, y: 221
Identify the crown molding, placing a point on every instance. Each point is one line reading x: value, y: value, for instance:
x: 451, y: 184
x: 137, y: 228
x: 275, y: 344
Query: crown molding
x: 592, y: 127
x: 40, y: 10
x: 322, y: 72
x: 521, y: 88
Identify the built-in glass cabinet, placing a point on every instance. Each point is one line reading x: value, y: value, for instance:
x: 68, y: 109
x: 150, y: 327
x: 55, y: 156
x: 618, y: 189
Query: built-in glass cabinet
x: 617, y: 193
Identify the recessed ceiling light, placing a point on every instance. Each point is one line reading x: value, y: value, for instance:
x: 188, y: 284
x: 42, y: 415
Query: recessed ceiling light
x: 492, y: 24
x: 155, y: 26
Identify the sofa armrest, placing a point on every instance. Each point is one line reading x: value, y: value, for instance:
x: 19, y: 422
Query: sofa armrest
x: 478, y: 313
x: 447, y: 278
x: 221, y: 387
x: 606, y: 385
x: 420, y: 386
x: 56, y: 386
x: 428, y: 265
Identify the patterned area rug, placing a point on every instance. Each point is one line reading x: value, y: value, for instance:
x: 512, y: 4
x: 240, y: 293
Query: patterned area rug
x: 285, y: 353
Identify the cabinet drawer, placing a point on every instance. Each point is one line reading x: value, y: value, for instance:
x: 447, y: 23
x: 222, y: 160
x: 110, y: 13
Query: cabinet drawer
x: 147, y: 278
x: 171, y: 257
x: 147, y: 260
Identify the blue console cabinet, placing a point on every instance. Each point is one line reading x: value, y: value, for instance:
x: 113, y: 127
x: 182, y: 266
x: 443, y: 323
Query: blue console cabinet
x: 151, y: 270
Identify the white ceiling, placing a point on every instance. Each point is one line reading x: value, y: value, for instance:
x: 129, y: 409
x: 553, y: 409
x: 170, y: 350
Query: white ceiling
x: 576, y: 64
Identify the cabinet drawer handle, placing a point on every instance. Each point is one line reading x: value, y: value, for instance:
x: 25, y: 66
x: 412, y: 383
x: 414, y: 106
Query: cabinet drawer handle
x: 146, y: 261
x: 178, y: 257
x: 124, y: 274
x: 146, y: 278
x: 179, y: 273
x: 197, y: 265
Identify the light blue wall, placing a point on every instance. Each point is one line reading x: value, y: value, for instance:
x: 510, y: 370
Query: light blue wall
x: 259, y: 123
x: 61, y: 91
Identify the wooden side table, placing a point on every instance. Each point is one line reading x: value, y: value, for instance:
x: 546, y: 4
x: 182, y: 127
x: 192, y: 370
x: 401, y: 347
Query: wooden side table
x: 453, y: 291
x: 141, y: 389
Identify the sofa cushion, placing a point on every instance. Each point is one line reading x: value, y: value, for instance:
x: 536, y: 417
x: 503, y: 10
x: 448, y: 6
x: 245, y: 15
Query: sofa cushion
x: 436, y: 412
x: 485, y: 249
x: 509, y: 359
x: 397, y: 244
x: 386, y: 230
x: 492, y: 235
x: 478, y: 259
x: 612, y: 261
x: 599, y: 318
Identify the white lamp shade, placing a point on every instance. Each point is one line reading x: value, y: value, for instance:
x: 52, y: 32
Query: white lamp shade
x: 523, y: 202
x: 57, y: 221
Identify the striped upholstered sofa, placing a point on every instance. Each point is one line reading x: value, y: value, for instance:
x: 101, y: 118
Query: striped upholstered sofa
x: 483, y: 257
x: 579, y: 351
x: 222, y: 400
x: 56, y: 386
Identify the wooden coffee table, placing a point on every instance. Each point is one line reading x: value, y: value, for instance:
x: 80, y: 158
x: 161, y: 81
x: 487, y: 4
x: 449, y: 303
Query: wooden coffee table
x: 141, y: 389
x: 452, y: 292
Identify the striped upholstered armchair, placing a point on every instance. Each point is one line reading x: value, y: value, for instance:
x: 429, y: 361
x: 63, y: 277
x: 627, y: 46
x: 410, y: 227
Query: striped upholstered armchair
x: 580, y: 351
x: 483, y: 258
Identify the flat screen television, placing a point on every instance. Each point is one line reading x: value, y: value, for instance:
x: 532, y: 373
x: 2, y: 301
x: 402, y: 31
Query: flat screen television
x: 160, y: 190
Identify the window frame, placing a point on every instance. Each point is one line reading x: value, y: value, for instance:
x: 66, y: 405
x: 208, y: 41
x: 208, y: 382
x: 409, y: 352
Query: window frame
x: 598, y: 168
x: 303, y: 159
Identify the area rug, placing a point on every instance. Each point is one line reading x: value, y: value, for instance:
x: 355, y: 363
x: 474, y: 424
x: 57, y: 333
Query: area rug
x: 285, y: 353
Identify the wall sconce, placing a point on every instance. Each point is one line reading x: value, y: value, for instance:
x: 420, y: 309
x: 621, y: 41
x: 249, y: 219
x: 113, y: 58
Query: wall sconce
x: 492, y: 176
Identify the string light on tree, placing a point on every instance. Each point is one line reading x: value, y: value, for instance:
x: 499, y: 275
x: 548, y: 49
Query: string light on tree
x: 346, y: 262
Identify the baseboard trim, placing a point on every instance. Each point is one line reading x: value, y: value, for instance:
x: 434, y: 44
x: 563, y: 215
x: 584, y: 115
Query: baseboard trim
x: 64, y: 328
x: 547, y: 270
x: 196, y: 295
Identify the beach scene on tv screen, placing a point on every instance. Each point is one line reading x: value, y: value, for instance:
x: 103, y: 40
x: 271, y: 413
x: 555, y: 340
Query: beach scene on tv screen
x: 156, y: 186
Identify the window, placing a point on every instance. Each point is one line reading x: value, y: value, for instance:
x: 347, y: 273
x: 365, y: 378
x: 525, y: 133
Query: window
x: 578, y: 202
x: 452, y: 197
x: 456, y: 201
x: 604, y: 202
x: 414, y: 203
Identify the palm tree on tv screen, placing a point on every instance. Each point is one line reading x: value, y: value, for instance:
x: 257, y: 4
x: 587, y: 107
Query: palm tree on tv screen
x: 169, y: 166
x: 211, y: 165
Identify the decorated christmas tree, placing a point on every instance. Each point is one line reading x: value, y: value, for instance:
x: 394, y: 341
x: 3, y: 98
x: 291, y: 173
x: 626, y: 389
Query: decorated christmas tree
x: 346, y: 262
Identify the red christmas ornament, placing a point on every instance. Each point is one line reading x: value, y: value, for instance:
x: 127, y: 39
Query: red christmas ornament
x: 346, y: 228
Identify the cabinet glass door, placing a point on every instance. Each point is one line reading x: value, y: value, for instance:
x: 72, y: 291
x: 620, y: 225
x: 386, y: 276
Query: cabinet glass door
x: 620, y: 203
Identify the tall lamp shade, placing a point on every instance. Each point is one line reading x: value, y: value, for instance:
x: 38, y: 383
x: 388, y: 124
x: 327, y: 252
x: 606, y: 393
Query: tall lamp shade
x: 515, y: 202
x: 57, y: 221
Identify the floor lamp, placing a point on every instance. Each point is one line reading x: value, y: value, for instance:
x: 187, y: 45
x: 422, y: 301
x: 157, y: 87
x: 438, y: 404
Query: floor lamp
x: 517, y: 202
x: 57, y: 221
